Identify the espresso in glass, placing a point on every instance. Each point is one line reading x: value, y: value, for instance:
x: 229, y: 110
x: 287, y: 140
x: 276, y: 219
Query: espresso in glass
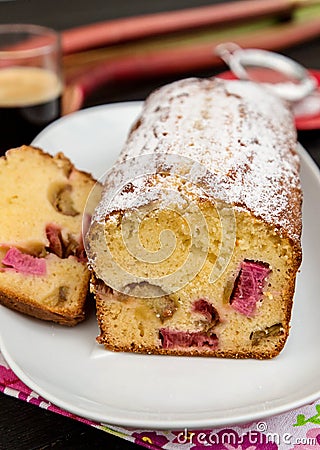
x: 30, y: 83
x: 30, y: 98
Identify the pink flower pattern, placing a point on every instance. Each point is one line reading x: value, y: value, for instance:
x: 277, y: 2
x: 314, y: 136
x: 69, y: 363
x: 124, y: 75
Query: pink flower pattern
x: 150, y: 439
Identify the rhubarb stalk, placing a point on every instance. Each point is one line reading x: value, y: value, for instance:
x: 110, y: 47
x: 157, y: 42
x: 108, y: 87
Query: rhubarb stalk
x: 126, y: 29
x: 176, y: 61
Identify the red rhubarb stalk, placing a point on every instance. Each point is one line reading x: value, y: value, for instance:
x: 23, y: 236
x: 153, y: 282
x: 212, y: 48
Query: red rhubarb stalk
x: 121, y: 30
x: 175, y: 61
x: 125, y: 29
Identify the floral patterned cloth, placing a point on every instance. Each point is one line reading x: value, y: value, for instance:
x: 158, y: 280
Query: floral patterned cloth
x: 294, y: 430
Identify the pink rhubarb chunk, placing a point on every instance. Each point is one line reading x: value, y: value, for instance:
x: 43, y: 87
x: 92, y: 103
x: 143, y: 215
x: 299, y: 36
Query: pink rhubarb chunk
x: 176, y: 339
x: 60, y: 248
x: 205, y: 308
x: 55, y: 239
x: 24, y: 263
x: 248, y: 287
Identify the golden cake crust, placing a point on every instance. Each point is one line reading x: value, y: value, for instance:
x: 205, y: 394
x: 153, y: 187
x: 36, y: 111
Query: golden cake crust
x: 29, y: 307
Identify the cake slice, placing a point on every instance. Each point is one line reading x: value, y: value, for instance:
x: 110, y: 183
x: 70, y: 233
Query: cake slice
x: 43, y: 267
x: 195, y: 244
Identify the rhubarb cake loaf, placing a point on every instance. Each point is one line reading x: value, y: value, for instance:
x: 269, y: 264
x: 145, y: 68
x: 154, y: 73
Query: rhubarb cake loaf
x: 43, y: 268
x: 195, y: 244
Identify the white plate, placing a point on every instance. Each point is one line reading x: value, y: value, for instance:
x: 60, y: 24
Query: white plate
x: 67, y: 366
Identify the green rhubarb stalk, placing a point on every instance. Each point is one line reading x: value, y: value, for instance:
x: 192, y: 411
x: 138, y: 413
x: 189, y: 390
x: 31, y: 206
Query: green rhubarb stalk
x: 89, y: 58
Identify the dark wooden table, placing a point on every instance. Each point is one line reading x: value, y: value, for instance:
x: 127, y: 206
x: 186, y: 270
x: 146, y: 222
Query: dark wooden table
x: 24, y: 426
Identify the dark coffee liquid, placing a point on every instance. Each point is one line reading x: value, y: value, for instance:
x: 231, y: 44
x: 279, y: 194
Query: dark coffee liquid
x: 30, y: 98
x: 19, y: 125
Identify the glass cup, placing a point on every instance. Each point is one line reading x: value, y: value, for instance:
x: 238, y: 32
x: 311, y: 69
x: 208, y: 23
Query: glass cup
x: 30, y: 82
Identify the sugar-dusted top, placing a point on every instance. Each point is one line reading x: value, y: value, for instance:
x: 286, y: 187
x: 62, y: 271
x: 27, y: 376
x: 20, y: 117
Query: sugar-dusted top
x: 241, y: 138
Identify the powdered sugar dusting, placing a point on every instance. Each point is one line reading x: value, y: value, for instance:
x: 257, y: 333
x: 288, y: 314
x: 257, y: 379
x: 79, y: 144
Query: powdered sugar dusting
x: 240, y: 137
